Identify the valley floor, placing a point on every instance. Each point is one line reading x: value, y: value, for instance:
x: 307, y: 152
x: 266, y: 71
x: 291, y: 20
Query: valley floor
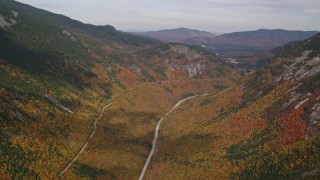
x: 122, y: 134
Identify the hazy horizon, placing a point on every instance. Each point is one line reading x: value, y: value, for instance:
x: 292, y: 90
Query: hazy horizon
x: 216, y: 16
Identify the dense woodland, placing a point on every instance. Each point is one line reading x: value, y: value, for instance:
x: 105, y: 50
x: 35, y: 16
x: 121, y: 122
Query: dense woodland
x: 257, y: 129
x: 56, y: 74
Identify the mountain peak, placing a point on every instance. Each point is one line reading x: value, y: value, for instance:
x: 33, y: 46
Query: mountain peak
x: 183, y: 29
x: 108, y: 27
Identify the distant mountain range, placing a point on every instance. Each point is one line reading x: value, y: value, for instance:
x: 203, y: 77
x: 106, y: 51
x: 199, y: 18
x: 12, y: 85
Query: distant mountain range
x: 179, y: 35
x: 262, y: 38
x: 58, y: 74
x: 79, y: 101
x: 243, y: 46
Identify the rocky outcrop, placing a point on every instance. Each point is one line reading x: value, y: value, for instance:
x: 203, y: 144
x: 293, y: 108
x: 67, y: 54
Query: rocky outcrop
x: 57, y: 103
x: 136, y: 69
x: 15, y: 13
x: 301, y: 67
x: 314, y: 119
x: 7, y: 22
x: 185, y: 51
x: 193, y: 68
x: 68, y: 34
x: 192, y: 62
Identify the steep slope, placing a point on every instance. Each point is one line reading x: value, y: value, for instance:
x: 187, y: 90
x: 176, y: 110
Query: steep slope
x: 266, y: 127
x: 56, y: 74
x: 179, y: 35
x: 42, y: 43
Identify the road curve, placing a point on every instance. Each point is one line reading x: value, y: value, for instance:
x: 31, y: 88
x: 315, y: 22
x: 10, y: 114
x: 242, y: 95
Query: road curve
x: 94, y: 129
x: 87, y: 142
x: 106, y: 106
x: 156, y: 134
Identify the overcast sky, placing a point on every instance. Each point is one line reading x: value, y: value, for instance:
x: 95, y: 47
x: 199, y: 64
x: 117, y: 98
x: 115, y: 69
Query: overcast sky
x: 209, y: 15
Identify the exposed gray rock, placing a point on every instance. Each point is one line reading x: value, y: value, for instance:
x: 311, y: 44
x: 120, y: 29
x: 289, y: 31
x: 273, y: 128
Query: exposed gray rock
x: 315, y: 115
x: 302, y: 67
x: 314, y: 120
x: 19, y: 116
x: 186, y: 51
x: 301, y: 103
x: 294, y: 88
x: 194, y: 64
x: 69, y: 35
x: 3, y: 22
x: 232, y: 60
x: 57, y: 103
x: 314, y: 62
x: 110, y: 69
x: 294, y: 97
x: 8, y: 22
x: 193, y: 68
x: 15, y: 13
x: 136, y: 69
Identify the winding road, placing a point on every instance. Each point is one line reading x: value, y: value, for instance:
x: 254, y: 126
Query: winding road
x: 94, y: 130
x: 156, y: 134
x: 110, y: 103
x: 87, y: 142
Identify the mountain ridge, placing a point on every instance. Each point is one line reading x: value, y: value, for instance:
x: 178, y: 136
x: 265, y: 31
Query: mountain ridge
x: 264, y: 127
x: 245, y: 47
x: 177, y: 35
x: 56, y: 74
x: 83, y: 101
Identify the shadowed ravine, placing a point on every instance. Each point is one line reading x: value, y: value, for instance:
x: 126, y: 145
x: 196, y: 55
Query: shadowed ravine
x: 156, y: 134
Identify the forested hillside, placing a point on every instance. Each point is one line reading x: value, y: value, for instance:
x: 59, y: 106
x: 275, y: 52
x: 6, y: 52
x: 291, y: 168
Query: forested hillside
x: 266, y: 127
x: 56, y: 74
x: 79, y: 101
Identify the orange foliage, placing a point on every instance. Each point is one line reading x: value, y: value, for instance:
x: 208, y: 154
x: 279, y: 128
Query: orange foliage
x: 293, y: 126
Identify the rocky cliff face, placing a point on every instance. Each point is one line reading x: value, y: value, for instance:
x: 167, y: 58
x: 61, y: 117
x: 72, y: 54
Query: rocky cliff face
x: 302, y: 67
x: 8, y: 21
x: 302, y: 72
x: 190, y: 61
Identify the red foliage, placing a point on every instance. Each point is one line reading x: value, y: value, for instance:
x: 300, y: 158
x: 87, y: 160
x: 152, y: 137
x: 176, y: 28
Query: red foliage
x: 293, y: 126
